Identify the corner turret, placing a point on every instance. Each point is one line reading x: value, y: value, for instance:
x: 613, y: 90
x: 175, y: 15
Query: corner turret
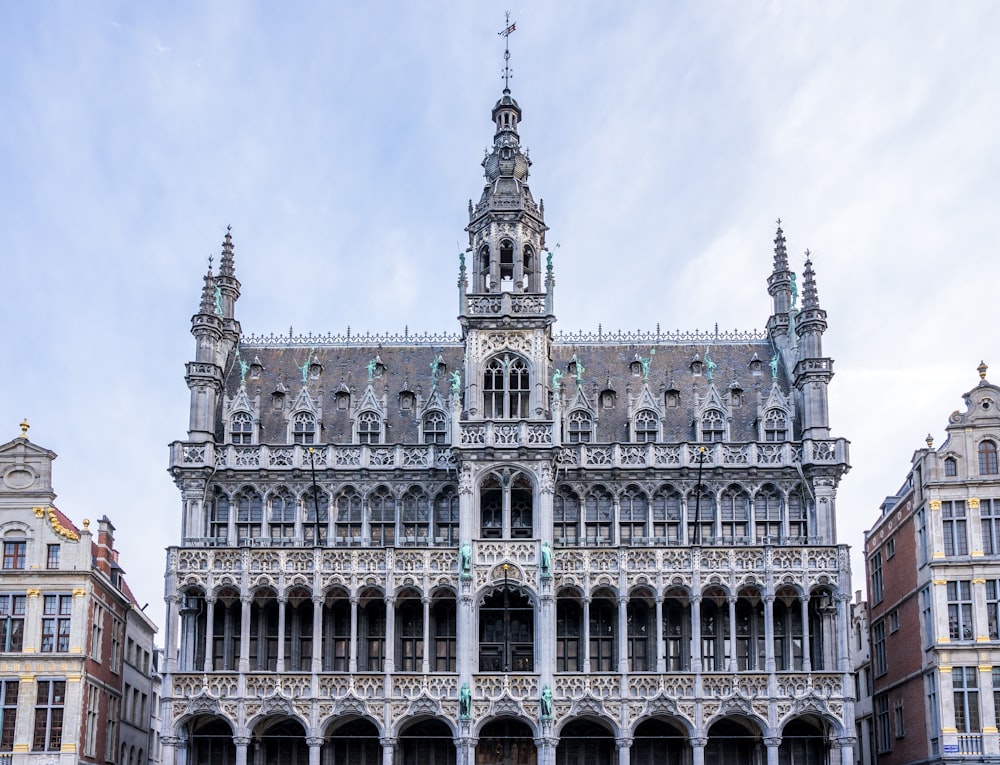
x: 813, y: 372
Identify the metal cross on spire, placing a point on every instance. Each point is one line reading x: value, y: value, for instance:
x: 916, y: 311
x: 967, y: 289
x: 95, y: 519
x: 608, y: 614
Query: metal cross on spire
x: 506, y: 51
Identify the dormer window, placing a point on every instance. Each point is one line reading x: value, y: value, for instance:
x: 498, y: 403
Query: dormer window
x: 673, y: 399
x: 369, y: 428
x: 343, y: 399
x: 646, y: 426
x: 304, y: 428
x: 278, y: 400
x: 435, y: 428
x: 636, y: 367
x: 712, y: 426
x: 581, y: 427
x: 241, y: 428
x: 608, y: 399
x: 406, y: 399
x: 950, y: 467
x: 775, y: 425
x: 755, y: 366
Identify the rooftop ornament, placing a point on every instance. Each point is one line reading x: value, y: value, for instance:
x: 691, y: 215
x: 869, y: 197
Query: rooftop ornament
x: 24, y: 428
x: 982, y: 370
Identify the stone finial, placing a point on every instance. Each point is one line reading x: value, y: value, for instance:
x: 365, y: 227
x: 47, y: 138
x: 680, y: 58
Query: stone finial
x: 208, y: 294
x: 982, y: 370
x: 929, y: 440
x: 24, y: 428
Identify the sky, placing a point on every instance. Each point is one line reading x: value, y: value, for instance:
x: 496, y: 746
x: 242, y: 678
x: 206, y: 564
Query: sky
x: 342, y: 142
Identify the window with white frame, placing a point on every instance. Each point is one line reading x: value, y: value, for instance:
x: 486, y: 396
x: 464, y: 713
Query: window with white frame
x: 956, y: 541
x: 435, y: 428
x: 775, y: 425
x: 713, y: 426
x: 965, y: 687
x: 989, y: 512
x: 646, y: 425
x: 50, y: 700
x: 960, y: 610
x: 57, y: 611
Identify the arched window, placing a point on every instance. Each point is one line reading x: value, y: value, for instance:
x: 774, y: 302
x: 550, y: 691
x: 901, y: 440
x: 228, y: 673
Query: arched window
x: 506, y: 632
x: 446, y: 517
x: 603, y: 635
x: 767, y: 507
x: 372, y: 623
x: 382, y: 517
x: 701, y: 517
x: 787, y: 631
x: 241, y: 428
x: 677, y: 630
x: 316, y: 503
x: 444, y: 627
x: 714, y: 631
x: 581, y: 427
x: 667, y: 517
x: 712, y: 426
x: 634, y: 515
x: 527, y: 266
x: 798, y: 520
x: 435, y: 428
x: 506, y: 502
x: 569, y: 632
x: 416, y: 517
x: 249, y: 514
x: 506, y: 265
x: 599, y: 516
x: 734, y: 515
x: 566, y: 517
x: 987, y: 458
x: 775, y: 425
x: 281, y: 521
x: 646, y: 426
x: 484, y: 268
x: 369, y: 428
x: 950, y: 467
x: 640, y: 619
x: 218, y: 522
x: 410, y: 634
x: 506, y: 388
x: 347, y: 522
x: 304, y: 428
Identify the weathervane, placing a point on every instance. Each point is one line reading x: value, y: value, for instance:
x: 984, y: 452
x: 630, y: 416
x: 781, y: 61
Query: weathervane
x: 506, y: 52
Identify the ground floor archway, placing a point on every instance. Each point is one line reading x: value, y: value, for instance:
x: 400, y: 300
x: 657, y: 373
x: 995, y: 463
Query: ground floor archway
x: 804, y: 742
x: 426, y: 742
x: 507, y: 741
x: 660, y: 741
x: 586, y: 741
x: 735, y: 741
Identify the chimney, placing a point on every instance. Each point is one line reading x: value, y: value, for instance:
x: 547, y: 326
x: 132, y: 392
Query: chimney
x: 105, y: 556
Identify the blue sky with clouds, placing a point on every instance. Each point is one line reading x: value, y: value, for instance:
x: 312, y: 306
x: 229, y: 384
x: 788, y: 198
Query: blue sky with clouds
x: 343, y: 140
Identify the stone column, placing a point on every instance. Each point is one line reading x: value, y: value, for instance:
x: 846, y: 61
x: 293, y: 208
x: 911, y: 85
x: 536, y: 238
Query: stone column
x: 623, y: 634
x: 732, y: 632
x: 282, y: 607
x: 624, y: 745
x: 772, y: 743
x: 245, y: 603
x: 315, y: 744
x: 661, y: 647
x: 242, y: 742
x: 769, y: 633
x: 546, y: 748
x: 168, y: 749
x: 546, y: 634
x: 209, y: 631
x: 390, y: 634
x: 188, y: 619
x: 586, y: 634
x: 465, y: 642
x: 698, y: 751
x: 317, y: 657
x: 696, y: 634
x: 843, y: 633
x: 466, y: 750
x: 806, y: 660
x: 845, y: 747
x: 170, y: 630
x: 426, y: 665
x: 388, y: 749
x: 352, y: 663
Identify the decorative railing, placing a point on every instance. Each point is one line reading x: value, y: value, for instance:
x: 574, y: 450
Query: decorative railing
x: 968, y: 744
x: 514, y: 434
x: 520, y: 686
x: 506, y: 434
x: 196, y: 562
x: 505, y: 304
x: 483, y: 305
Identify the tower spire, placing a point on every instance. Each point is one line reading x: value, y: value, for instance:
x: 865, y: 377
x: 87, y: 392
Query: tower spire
x: 810, y: 298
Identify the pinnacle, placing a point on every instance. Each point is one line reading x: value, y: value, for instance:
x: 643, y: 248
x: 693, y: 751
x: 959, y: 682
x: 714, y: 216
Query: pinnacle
x: 227, y: 266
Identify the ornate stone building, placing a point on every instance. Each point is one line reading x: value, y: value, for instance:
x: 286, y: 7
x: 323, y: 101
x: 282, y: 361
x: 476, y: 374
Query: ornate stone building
x: 509, y: 545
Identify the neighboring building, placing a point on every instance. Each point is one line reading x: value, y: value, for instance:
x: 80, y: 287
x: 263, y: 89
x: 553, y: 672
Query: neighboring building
x: 66, y: 617
x: 861, y: 662
x: 508, y: 545
x: 933, y: 565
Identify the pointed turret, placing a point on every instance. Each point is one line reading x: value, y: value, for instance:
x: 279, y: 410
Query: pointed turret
x: 229, y: 287
x: 204, y: 374
x: 813, y: 371
x: 779, y: 286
